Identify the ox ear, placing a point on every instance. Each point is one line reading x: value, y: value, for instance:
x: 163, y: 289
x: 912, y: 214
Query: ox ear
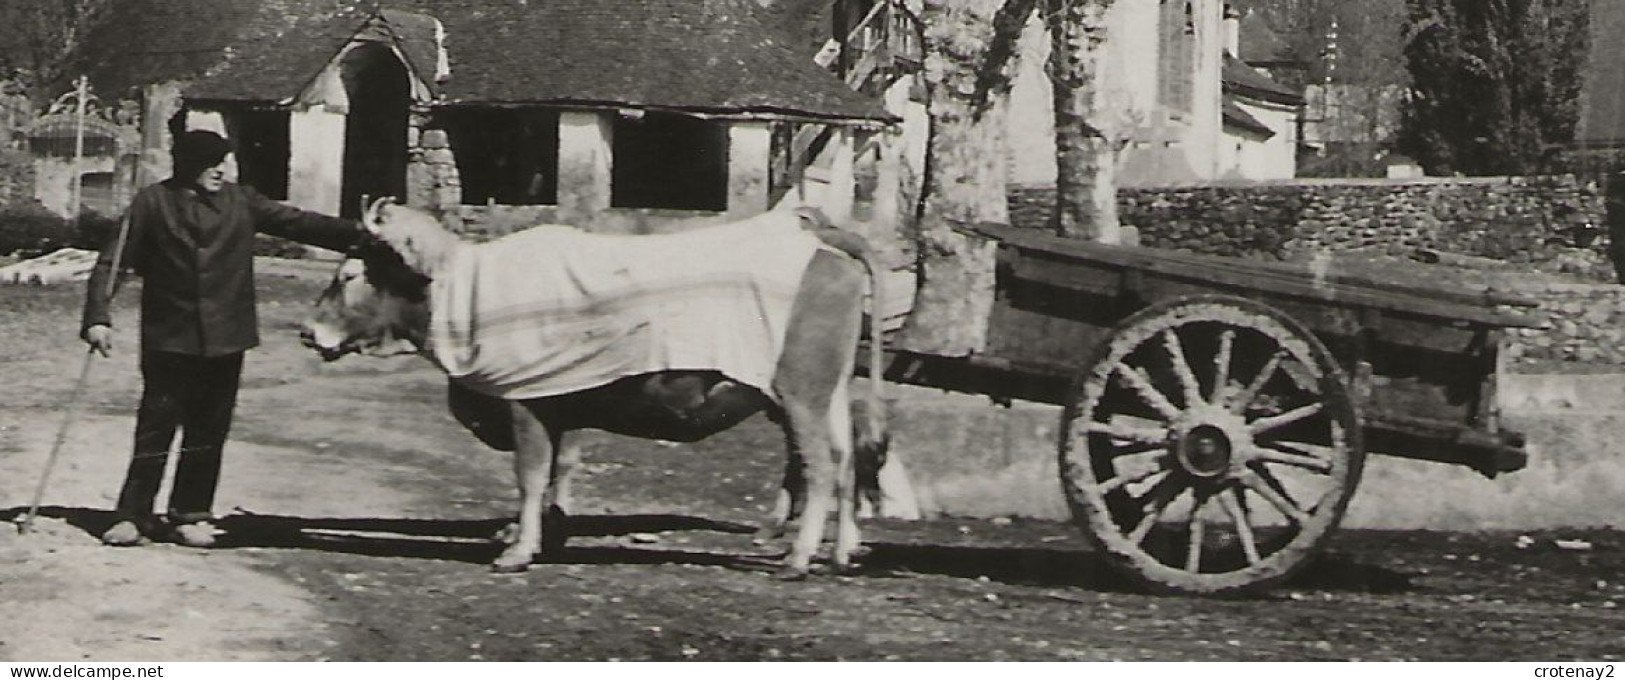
x: 813, y: 218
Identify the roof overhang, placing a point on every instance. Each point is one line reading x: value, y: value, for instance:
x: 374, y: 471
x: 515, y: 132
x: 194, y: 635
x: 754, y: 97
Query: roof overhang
x: 1237, y: 118
x: 749, y: 114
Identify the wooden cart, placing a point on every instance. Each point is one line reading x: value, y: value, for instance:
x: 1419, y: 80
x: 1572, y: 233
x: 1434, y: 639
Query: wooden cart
x: 1217, y: 411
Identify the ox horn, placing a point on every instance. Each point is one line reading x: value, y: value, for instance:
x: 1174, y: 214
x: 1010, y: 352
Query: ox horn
x: 369, y: 217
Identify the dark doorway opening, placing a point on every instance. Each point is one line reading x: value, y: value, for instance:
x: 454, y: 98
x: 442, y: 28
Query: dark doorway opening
x: 665, y: 160
x: 505, y: 156
x: 98, y: 193
x: 375, y: 130
x: 262, y: 150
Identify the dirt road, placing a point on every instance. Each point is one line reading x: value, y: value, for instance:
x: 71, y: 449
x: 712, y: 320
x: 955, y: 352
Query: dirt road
x: 359, y: 513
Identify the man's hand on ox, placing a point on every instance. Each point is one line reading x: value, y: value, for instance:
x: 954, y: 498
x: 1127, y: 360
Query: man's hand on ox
x: 100, y: 338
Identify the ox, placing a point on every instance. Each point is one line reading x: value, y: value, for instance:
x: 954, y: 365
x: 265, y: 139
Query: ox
x: 381, y: 297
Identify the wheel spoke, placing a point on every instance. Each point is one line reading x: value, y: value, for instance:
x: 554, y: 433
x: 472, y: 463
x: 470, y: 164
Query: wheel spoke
x: 1221, y: 366
x: 1160, y: 497
x: 1276, y: 452
x: 1182, y: 368
x: 1280, y: 420
x: 1121, y: 481
x: 1141, y: 384
x: 1232, y: 504
x: 1152, y: 437
x: 1276, y: 497
x: 1133, y: 448
x: 1241, y: 401
x: 1269, y: 477
x: 1193, y: 554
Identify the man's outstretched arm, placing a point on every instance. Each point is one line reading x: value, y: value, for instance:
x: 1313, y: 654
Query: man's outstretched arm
x: 310, y: 228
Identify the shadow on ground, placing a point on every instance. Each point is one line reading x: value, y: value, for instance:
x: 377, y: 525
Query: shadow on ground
x: 473, y: 541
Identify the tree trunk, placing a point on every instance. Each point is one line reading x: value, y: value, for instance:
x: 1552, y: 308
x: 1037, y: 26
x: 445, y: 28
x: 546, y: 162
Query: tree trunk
x: 1085, y: 145
x: 969, y: 49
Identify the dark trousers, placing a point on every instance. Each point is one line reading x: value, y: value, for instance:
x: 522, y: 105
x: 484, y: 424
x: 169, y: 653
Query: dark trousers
x: 197, y: 396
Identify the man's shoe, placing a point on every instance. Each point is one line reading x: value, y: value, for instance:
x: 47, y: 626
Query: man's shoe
x: 124, y: 534
x: 194, y: 534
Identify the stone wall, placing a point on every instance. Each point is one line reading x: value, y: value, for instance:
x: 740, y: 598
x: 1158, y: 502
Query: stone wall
x: 1544, y: 223
x: 1585, y: 324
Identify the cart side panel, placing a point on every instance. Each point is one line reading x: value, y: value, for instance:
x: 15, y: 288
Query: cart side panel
x: 1035, y: 323
x: 1053, y: 311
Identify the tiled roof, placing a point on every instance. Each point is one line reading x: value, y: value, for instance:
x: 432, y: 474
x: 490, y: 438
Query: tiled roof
x: 1603, y: 119
x: 1247, y: 81
x: 808, y: 23
x: 710, y: 55
x: 417, y: 36
x: 277, y: 68
x: 152, y: 41
x: 1235, y: 116
x: 713, y: 56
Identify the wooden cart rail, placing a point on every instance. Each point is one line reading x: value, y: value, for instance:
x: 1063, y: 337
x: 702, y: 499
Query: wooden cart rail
x: 1055, y: 260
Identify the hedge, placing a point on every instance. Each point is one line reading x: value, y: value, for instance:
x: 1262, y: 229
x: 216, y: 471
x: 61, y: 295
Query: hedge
x: 28, y: 229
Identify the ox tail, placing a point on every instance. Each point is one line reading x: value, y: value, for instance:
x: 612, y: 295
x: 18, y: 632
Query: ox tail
x: 871, y: 438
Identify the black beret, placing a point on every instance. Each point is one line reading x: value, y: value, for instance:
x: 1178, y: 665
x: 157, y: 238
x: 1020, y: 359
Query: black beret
x: 196, y: 150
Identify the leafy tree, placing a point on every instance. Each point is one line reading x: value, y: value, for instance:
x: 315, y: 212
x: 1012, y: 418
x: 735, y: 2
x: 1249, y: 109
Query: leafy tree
x: 1496, y: 84
x: 41, y: 38
x: 1348, y: 59
x: 1368, y: 37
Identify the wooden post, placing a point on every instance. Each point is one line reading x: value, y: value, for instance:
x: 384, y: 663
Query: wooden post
x: 76, y: 200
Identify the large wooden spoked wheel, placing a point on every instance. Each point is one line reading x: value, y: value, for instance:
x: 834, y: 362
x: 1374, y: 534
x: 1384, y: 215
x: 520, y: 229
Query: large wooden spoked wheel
x: 1211, y: 446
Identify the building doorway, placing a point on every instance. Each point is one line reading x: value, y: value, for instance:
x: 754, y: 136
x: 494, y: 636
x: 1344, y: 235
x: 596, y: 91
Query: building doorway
x: 375, y: 129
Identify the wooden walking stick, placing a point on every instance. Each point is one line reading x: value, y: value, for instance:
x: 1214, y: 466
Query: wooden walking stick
x: 76, y: 397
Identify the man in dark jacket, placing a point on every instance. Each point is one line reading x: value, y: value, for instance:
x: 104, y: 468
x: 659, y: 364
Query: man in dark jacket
x: 191, y: 239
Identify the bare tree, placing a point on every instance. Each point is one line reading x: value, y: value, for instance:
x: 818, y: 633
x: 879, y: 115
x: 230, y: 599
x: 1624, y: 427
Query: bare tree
x: 970, y: 48
x: 1086, y: 145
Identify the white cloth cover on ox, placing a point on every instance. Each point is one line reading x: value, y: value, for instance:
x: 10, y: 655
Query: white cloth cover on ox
x: 553, y: 310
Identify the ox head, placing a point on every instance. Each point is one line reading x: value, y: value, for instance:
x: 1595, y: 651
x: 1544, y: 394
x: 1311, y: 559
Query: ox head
x: 377, y: 303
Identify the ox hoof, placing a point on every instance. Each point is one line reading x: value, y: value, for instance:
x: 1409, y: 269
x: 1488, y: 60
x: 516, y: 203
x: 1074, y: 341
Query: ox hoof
x: 501, y: 567
x: 766, y: 535
x: 847, y: 569
x: 788, y: 574
x: 511, y: 562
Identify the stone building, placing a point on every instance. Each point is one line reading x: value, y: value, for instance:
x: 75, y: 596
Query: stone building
x: 629, y: 116
x: 98, y: 163
x: 1186, y: 107
x: 1260, y: 124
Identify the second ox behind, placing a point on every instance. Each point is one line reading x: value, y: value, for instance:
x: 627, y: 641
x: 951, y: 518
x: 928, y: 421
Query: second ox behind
x: 672, y: 337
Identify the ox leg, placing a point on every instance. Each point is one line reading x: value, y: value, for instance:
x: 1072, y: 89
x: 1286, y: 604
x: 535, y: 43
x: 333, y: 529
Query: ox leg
x: 790, y: 502
x: 847, y: 537
x: 534, y: 449
x: 808, y: 439
x: 562, y: 494
x: 817, y: 357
